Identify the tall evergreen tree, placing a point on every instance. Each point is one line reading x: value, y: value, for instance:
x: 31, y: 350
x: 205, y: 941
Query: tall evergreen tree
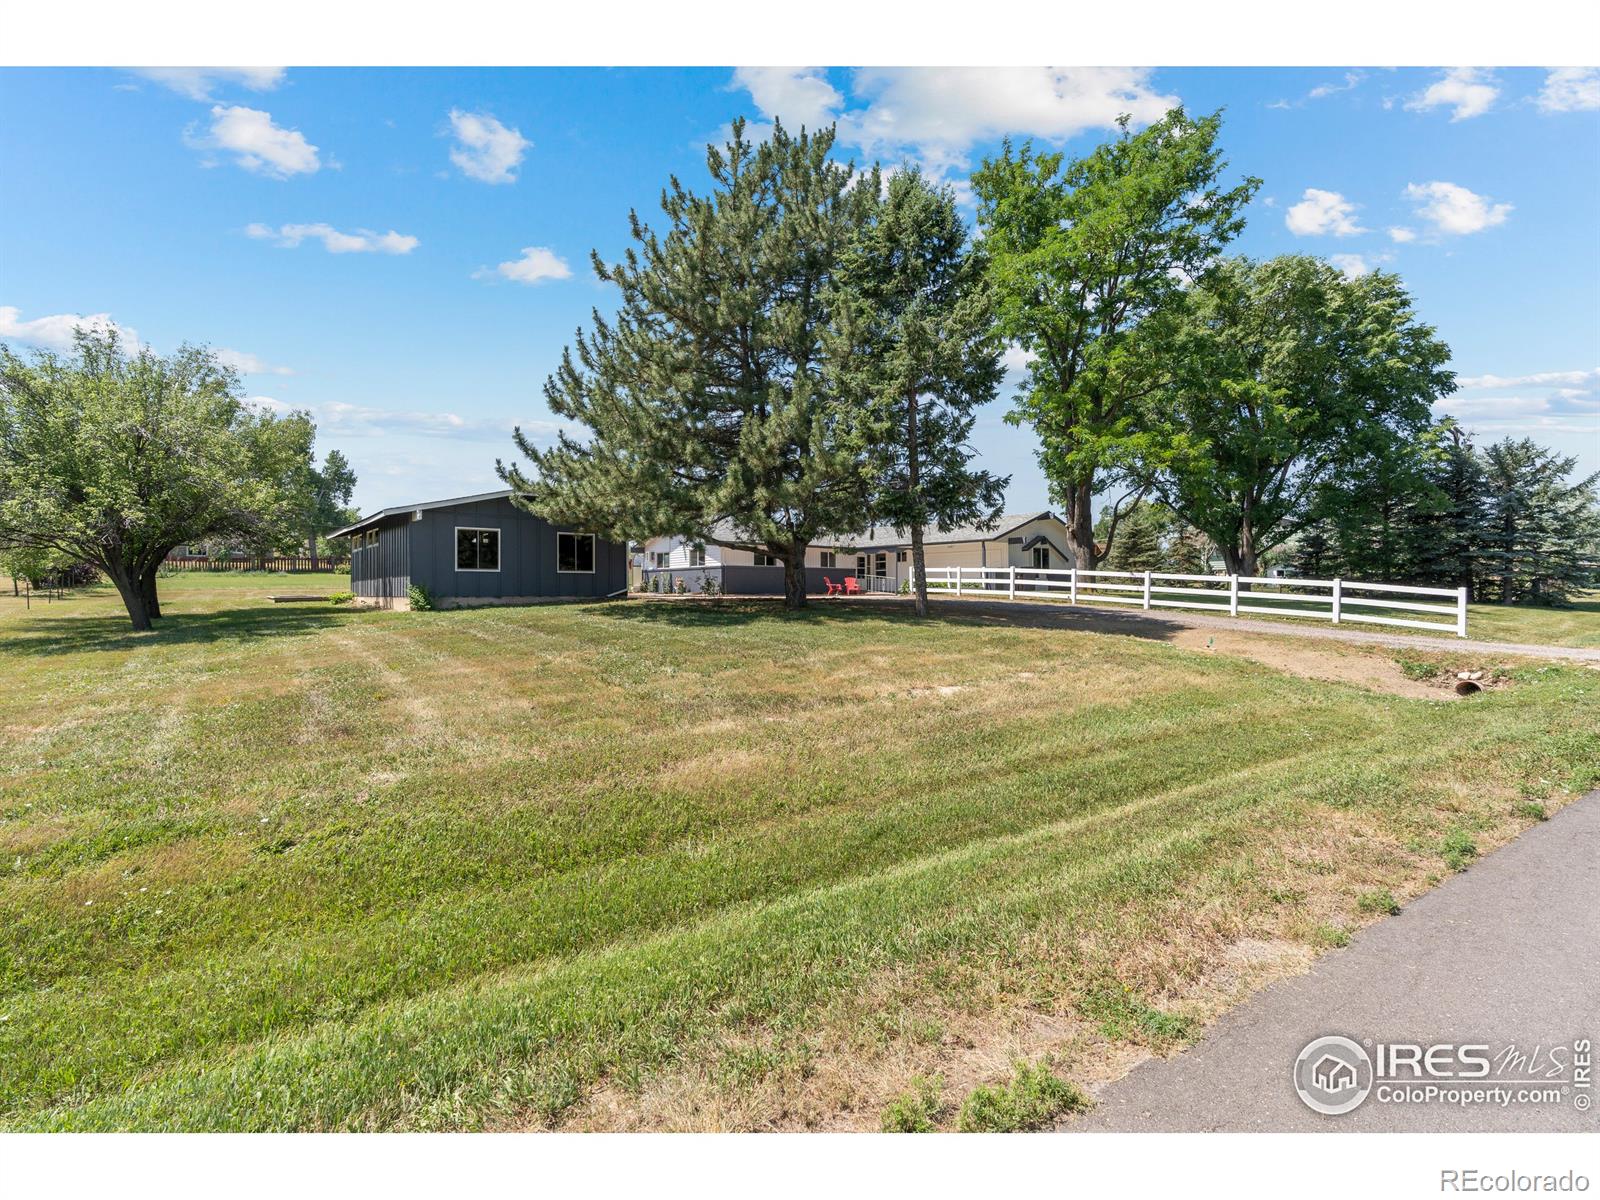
x: 1448, y: 538
x: 707, y: 398
x: 1541, y: 529
x: 1082, y: 253
x: 913, y: 356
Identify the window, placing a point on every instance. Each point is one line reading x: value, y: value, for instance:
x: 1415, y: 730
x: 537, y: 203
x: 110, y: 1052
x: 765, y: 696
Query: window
x: 372, y: 537
x: 899, y: 556
x: 477, y: 549
x: 880, y: 565
x: 575, y: 553
x: 660, y: 558
x: 830, y: 559
x: 696, y: 554
x: 1016, y: 541
x: 1041, y: 558
x: 765, y: 560
x: 861, y: 566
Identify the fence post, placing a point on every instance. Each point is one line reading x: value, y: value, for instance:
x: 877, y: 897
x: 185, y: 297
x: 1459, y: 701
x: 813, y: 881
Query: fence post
x: 1461, y: 612
x: 1072, y: 586
x: 1233, y: 595
x: 1011, y: 584
x: 958, y: 571
x: 1147, y: 590
x: 1338, y: 597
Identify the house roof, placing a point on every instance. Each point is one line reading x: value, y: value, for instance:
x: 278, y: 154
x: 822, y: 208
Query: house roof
x: 892, y: 539
x: 398, y: 509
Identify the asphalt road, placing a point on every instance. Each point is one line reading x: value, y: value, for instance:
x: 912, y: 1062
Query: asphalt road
x: 1505, y: 952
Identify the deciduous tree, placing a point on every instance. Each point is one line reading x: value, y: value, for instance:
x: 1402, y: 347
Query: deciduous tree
x: 1082, y: 253
x: 115, y: 458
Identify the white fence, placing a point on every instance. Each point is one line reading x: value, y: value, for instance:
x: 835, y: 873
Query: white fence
x: 1335, y: 600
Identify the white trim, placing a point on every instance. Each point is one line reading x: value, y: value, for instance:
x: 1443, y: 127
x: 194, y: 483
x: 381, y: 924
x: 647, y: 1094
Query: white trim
x: 499, y: 547
x: 594, y: 552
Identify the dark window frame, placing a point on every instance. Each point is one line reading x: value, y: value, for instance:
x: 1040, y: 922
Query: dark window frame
x: 478, y: 543
x: 577, y: 540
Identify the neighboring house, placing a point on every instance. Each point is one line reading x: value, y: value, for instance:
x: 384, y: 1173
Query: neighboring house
x: 880, y: 560
x: 477, y: 550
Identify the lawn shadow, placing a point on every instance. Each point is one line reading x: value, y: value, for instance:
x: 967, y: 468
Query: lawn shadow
x: 76, y: 635
x: 1000, y: 613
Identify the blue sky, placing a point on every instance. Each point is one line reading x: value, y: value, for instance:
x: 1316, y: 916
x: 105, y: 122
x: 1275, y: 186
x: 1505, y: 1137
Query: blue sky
x: 405, y: 252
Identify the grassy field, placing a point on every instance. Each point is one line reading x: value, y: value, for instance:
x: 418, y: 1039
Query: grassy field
x: 676, y: 865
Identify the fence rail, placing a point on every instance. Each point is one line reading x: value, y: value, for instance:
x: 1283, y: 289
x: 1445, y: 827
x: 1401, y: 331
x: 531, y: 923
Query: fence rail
x: 1335, y: 600
x: 286, y: 564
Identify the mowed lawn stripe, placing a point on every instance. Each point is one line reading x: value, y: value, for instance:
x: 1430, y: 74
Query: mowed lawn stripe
x: 281, y: 831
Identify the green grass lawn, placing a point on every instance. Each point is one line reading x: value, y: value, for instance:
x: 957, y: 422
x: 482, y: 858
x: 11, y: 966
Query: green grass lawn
x: 299, y: 867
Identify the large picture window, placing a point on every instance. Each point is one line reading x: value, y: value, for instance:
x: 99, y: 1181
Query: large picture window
x: 477, y: 549
x: 575, y: 552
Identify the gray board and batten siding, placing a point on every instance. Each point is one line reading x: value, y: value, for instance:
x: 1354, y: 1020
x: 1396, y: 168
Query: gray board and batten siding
x: 428, y: 544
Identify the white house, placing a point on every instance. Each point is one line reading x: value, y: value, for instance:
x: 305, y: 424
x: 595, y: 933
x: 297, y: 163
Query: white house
x: 880, y: 559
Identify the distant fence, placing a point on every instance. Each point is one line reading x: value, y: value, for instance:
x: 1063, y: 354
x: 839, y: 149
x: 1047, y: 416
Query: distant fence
x: 287, y: 565
x: 1335, y: 600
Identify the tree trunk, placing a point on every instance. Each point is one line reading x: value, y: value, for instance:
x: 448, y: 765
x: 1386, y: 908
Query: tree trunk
x: 132, y: 593
x: 147, y: 588
x: 794, y: 577
x: 311, y: 550
x: 1079, y: 520
x: 919, y: 568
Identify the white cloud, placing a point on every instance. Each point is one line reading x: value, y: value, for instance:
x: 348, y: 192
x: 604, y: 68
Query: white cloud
x: 1353, y: 265
x: 362, y: 241
x: 198, y: 83
x: 798, y: 96
x: 256, y: 143
x: 1583, y: 380
x: 1402, y: 233
x: 1466, y: 91
x: 1479, y: 407
x: 1351, y: 79
x: 1016, y: 360
x: 1570, y: 89
x: 55, y: 332
x: 248, y: 364
x: 1453, y: 209
x: 1322, y: 212
x: 486, y: 149
x: 537, y: 263
x: 361, y: 420
x: 936, y: 115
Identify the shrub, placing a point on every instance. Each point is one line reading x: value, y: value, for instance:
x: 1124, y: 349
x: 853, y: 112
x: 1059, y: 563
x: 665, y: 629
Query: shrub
x: 916, y: 1110
x: 710, y: 585
x: 1033, y: 1099
x: 342, y: 597
x: 421, y: 601
x: 680, y: 586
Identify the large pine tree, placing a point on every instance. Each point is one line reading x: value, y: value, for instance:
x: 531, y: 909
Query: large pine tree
x: 915, y: 355
x: 706, y: 398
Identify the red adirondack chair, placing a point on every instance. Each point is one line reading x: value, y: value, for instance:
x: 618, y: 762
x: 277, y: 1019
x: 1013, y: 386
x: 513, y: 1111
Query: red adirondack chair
x: 851, y: 587
x: 833, y: 588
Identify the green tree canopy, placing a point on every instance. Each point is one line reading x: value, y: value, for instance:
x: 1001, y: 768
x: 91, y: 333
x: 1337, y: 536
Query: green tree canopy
x: 706, y: 399
x: 913, y: 356
x: 1541, y: 532
x: 115, y: 458
x: 1286, y: 379
x: 1081, y: 254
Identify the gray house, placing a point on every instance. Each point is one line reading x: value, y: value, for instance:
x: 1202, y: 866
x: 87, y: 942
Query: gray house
x: 478, y: 550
